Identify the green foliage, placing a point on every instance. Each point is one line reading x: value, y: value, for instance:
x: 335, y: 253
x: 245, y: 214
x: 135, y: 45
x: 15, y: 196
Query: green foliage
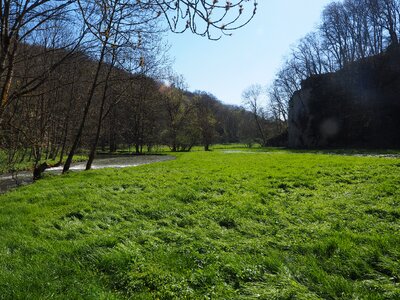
x: 221, y: 225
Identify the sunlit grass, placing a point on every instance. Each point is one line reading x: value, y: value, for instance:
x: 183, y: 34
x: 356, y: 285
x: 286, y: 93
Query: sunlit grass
x: 220, y: 225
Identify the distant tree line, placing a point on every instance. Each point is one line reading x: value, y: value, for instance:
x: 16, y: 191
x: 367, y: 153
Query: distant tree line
x: 349, y: 30
x: 86, y: 74
x: 128, y: 111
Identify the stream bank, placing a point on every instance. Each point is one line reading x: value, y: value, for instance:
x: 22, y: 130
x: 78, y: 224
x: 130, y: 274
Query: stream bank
x: 9, y: 181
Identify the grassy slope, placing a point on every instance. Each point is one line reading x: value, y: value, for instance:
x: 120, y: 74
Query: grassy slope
x: 208, y: 225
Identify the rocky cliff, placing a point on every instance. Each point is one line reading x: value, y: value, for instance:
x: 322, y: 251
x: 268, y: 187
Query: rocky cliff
x: 358, y: 106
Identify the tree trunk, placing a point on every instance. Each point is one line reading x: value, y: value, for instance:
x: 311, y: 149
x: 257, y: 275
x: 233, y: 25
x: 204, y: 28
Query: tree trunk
x: 113, y: 143
x: 86, y: 111
x: 260, y: 130
x: 5, y: 93
x: 103, y: 101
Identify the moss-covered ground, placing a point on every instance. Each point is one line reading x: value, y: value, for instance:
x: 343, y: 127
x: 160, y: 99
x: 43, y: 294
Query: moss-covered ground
x: 208, y: 225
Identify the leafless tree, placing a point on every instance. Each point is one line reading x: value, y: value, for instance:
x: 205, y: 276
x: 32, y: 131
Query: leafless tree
x: 178, y: 109
x: 113, y: 25
x: 24, y: 22
x: 208, y: 18
x: 206, y: 108
x: 252, y: 98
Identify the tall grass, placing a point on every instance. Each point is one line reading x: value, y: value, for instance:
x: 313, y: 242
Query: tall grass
x: 215, y: 225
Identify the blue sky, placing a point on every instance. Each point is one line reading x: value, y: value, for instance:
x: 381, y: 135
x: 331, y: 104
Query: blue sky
x: 252, y: 55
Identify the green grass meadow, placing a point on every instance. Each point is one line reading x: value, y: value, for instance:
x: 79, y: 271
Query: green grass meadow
x: 208, y: 225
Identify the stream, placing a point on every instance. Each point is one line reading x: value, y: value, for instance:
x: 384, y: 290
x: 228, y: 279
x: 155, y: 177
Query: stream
x: 7, y: 181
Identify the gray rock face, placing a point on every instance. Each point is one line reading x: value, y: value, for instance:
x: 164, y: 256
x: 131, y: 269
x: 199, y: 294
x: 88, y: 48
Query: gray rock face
x: 358, y: 106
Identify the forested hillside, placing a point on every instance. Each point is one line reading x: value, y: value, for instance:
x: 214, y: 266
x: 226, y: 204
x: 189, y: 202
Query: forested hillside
x: 128, y: 110
x: 84, y: 74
